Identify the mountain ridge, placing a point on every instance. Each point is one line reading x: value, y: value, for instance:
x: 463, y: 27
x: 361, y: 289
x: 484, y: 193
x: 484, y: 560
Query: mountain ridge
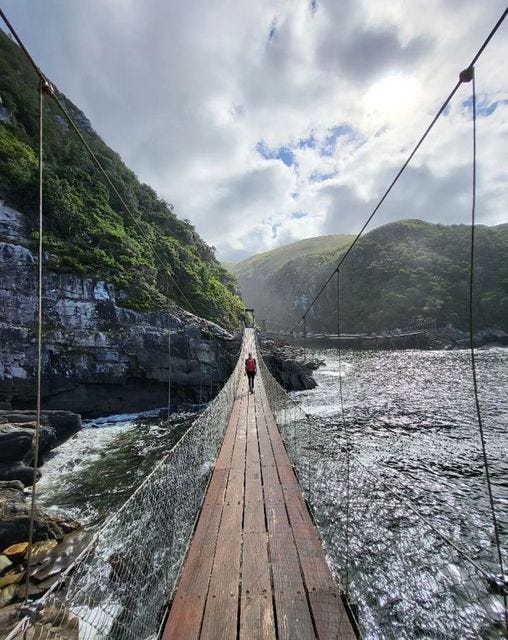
x: 397, y: 273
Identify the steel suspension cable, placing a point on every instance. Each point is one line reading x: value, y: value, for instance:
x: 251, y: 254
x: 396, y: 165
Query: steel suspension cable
x: 468, y: 75
x: 169, y: 364
x: 43, y: 88
x: 403, y: 168
x: 345, y: 427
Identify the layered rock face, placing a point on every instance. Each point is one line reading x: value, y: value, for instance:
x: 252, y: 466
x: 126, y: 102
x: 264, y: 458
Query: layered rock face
x: 97, y: 357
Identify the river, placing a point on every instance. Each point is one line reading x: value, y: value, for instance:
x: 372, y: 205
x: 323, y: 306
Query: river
x: 415, y: 453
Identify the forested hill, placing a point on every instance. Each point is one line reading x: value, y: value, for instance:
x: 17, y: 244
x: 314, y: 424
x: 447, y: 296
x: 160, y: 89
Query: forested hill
x: 396, y: 274
x: 86, y: 230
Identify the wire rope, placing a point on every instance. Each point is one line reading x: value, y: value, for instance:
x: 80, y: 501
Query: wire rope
x: 346, y: 431
x: 468, y: 75
x: 43, y: 88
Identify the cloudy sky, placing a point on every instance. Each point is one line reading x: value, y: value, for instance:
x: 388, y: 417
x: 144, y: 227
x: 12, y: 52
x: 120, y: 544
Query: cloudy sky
x: 265, y: 122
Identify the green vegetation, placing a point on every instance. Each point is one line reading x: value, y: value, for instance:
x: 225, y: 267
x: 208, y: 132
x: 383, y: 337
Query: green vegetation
x: 152, y: 255
x: 397, y: 273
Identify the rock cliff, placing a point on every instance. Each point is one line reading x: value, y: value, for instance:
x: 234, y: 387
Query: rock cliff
x: 98, y: 357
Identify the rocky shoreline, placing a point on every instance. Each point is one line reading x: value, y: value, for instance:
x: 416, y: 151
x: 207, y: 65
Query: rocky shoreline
x: 58, y: 540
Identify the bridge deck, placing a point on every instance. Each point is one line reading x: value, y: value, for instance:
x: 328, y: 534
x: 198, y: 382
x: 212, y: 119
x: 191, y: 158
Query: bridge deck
x: 255, y: 567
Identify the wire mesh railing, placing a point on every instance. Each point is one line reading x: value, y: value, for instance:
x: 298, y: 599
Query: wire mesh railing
x: 407, y: 574
x: 119, y: 587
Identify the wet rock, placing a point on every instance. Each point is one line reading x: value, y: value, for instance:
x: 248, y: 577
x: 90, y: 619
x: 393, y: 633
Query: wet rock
x: 54, y: 622
x: 41, y: 549
x: 19, y: 471
x: 9, y: 618
x: 7, y: 594
x: 15, y: 518
x: 5, y: 563
x: 288, y: 365
x: 16, y: 552
x: 14, y: 446
x: 57, y: 426
x: 11, y: 578
x: 61, y: 556
x: 35, y: 588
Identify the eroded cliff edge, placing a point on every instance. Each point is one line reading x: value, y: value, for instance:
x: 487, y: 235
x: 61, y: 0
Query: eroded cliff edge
x: 98, y: 357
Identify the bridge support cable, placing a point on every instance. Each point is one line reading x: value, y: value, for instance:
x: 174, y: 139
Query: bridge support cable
x: 44, y: 89
x: 346, y: 436
x: 169, y: 364
x: 429, y: 128
x: 468, y: 75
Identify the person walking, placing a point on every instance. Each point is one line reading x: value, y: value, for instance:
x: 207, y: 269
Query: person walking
x: 251, y: 370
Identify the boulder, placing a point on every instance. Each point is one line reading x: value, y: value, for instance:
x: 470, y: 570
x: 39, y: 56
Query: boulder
x: 18, y: 471
x: 15, y: 518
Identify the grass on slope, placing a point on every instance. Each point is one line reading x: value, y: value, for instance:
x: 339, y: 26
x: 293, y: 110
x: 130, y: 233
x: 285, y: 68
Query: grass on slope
x: 321, y: 249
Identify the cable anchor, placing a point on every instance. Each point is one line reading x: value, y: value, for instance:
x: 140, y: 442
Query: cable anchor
x: 466, y: 75
x: 47, y: 88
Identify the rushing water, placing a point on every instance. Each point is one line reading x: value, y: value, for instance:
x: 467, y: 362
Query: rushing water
x: 415, y: 453
x: 410, y: 420
x: 94, y: 472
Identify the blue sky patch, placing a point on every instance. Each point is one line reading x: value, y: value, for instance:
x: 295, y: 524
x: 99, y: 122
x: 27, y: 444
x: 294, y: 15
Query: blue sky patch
x: 328, y: 147
x: 484, y: 107
x: 283, y: 153
x: 316, y: 176
x: 296, y: 215
x: 295, y: 195
x: 307, y: 143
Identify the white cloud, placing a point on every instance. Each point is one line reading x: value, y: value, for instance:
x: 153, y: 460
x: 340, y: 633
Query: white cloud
x: 186, y: 91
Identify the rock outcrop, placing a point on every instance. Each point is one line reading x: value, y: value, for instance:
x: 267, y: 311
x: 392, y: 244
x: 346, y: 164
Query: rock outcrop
x: 17, y: 440
x: 288, y: 365
x: 98, y: 357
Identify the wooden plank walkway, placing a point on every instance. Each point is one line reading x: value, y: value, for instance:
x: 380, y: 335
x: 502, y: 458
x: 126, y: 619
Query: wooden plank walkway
x: 255, y: 568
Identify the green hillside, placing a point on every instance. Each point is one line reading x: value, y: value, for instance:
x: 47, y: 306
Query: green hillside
x: 320, y: 249
x: 397, y: 273
x: 153, y: 256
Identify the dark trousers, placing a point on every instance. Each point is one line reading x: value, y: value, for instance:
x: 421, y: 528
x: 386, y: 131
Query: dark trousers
x: 251, y: 375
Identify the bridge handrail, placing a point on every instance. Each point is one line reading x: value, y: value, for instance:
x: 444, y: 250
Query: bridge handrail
x: 332, y: 493
x: 121, y: 582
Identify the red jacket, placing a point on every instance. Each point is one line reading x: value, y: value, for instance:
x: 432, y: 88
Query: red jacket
x: 250, y: 365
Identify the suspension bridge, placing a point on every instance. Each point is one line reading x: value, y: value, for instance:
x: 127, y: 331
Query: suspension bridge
x: 232, y: 500
x: 255, y: 568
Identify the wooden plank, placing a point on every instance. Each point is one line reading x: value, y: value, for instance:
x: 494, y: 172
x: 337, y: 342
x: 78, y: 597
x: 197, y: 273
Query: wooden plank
x: 198, y: 565
x: 332, y: 622
x: 220, y: 617
x: 186, y: 613
x: 226, y: 452
x: 256, y: 618
x: 255, y: 567
x: 294, y: 620
x: 265, y: 446
x: 190, y: 597
x: 254, y: 512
